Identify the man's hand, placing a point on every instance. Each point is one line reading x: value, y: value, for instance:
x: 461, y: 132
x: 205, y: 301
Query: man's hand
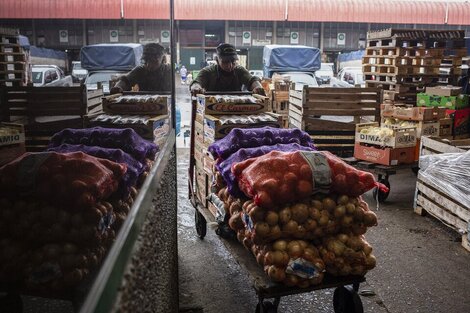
x: 260, y: 91
x: 115, y: 90
x: 197, y: 89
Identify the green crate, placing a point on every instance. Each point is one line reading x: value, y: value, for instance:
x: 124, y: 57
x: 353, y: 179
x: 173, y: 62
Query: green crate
x: 448, y: 102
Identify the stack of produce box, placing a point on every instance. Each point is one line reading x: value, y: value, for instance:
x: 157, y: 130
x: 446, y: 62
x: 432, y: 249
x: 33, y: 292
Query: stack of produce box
x: 280, y: 100
x: 14, y: 66
x: 404, y: 61
x: 385, y: 145
x: 456, y: 105
x: 12, y: 142
x: 61, y: 209
x: 425, y: 119
x: 299, y: 211
x: 147, y: 114
x: 216, y: 116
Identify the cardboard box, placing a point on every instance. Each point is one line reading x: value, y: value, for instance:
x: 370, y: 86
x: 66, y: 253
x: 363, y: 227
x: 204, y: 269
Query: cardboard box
x: 417, y: 148
x: 201, y: 186
x: 200, y: 150
x: 209, y: 105
x: 215, y: 128
x: 200, y: 118
x: 11, y: 152
x: 402, y: 136
x: 445, y: 127
x: 14, y: 134
x: 412, y: 113
x: 159, y: 106
x: 423, y: 128
x: 208, y: 163
x: 199, y: 131
x: 143, y: 125
x: 445, y: 91
x: 161, y: 129
x: 461, y: 120
x: 384, y: 156
x: 448, y: 102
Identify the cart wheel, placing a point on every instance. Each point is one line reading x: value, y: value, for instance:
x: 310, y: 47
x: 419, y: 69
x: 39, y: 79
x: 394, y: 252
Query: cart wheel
x: 382, y: 195
x: 346, y: 300
x: 268, y: 307
x: 201, y: 224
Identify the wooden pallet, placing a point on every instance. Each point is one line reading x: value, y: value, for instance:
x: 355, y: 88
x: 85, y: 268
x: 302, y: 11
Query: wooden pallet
x: 405, y: 52
x: 307, y: 107
x: 399, y: 97
x: 9, y: 38
x: 12, y: 57
x: 430, y: 199
x: 12, y: 75
x: 394, y: 60
x: 45, y: 110
x: 10, y: 48
x: 411, y: 80
x: 281, y: 107
x: 12, y: 66
x: 446, y: 35
x: 382, y: 69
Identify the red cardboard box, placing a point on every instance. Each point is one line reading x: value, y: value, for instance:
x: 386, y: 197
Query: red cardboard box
x: 461, y: 121
x: 385, y: 156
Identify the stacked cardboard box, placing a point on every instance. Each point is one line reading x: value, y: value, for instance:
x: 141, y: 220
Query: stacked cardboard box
x: 12, y: 142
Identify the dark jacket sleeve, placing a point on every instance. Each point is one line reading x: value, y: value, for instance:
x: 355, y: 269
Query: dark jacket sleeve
x: 203, y: 78
x: 126, y: 82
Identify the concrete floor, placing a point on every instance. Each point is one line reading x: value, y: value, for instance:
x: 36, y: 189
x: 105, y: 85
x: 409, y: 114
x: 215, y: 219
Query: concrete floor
x: 421, y: 265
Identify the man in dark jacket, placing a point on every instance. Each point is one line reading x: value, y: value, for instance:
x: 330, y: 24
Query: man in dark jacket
x: 226, y: 75
x: 153, y: 75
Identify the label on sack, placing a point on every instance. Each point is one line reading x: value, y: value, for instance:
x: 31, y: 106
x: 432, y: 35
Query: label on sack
x: 248, y: 222
x: 105, y: 222
x: 321, y: 171
x: 302, y: 268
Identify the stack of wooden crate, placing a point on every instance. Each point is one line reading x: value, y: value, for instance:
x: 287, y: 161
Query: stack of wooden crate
x: 403, y: 61
x: 216, y: 116
x: 280, y: 100
x: 14, y: 68
x: 330, y: 115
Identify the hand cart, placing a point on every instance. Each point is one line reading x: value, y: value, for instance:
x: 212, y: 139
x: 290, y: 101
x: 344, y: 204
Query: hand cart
x: 383, y: 173
x: 345, y: 298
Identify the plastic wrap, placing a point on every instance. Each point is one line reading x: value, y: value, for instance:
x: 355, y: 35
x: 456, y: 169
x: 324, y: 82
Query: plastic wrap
x: 241, y: 155
x: 125, y: 139
x: 249, y: 138
x: 232, y: 99
x: 278, y: 178
x: 134, y: 167
x: 73, y: 179
x: 140, y: 99
x: 449, y: 173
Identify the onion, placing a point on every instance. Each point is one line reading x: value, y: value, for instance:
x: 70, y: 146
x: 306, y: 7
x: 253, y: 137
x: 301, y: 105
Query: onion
x: 367, y: 248
x: 359, y: 229
x: 310, y: 224
x: 343, y: 238
x: 340, y: 211
x: 343, y: 199
x: 301, y: 232
x: 294, y: 249
x: 276, y: 273
x: 314, y: 213
x: 291, y: 280
x: 278, y: 258
x: 317, y: 204
x: 262, y: 229
x: 272, y: 218
x: 350, y: 208
x: 291, y: 227
x: 346, y: 221
x: 371, y: 261
x: 336, y: 246
x: 303, y: 283
x: 300, y: 212
x: 285, y: 215
x: 260, y: 259
x: 280, y: 245
x: 358, y: 270
x: 269, y: 258
x: 324, y: 219
x: 303, y: 243
x: 329, y: 204
x: 370, y: 219
x: 275, y: 232
x: 257, y: 214
x: 355, y: 243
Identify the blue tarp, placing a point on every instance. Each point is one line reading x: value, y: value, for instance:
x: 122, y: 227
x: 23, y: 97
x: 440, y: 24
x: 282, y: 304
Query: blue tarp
x: 285, y: 58
x: 47, y: 53
x: 24, y: 42
x: 351, y: 56
x: 111, y: 56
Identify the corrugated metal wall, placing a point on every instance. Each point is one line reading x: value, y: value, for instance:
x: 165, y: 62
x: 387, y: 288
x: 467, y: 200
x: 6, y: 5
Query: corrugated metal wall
x: 365, y: 11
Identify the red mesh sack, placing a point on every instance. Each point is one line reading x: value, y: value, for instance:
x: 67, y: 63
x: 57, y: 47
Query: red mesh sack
x: 278, y: 178
x: 74, y: 179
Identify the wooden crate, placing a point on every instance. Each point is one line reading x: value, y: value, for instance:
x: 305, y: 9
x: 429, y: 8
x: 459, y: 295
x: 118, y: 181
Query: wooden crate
x: 429, y: 199
x: 309, y: 107
x: 45, y: 110
x: 436, y: 145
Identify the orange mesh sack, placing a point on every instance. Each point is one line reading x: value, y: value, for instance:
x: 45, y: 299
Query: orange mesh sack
x: 74, y: 179
x: 279, y: 178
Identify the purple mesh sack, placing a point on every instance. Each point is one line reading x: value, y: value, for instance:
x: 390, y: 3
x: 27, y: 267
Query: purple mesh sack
x: 239, y: 138
x: 241, y: 155
x: 134, y: 167
x: 125, y: 139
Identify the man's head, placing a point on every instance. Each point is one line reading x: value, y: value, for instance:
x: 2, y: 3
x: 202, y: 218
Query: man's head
x: 227, y: 57
x: 153, y: 55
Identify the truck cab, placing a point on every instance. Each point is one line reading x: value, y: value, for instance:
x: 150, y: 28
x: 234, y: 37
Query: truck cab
x: 49, y: 75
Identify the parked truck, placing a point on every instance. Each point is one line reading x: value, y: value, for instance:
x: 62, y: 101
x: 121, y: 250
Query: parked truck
x: 106, y: 62
x: 297, y: 62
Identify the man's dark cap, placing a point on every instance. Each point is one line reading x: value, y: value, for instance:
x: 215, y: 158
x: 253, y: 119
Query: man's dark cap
x: 153, y: 50
x: 225, y: 50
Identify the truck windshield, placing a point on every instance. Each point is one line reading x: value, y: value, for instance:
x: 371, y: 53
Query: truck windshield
x: 37, y: 77
x: 77, y: 66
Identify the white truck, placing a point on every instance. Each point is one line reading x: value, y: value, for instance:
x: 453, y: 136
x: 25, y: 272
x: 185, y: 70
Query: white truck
x: 50, y: 76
